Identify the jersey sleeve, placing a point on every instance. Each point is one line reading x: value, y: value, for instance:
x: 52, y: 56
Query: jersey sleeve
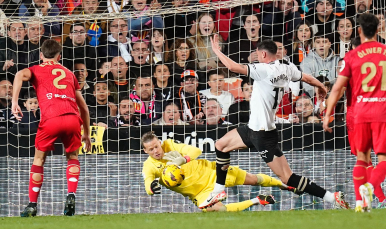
x: 185, y: 150
x: 256, y: 71
x: 295, y: 74
x: 148, y: 173
x: 345, y: 69
x: 76, y: 83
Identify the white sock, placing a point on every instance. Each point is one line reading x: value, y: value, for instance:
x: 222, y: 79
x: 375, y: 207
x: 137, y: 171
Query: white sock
x: 359, y: 203
x: 218, y: 188
x: 255, y: 201
x: 329, y: 197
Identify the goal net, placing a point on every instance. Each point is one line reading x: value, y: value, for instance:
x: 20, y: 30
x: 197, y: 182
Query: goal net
x: 112, y: 45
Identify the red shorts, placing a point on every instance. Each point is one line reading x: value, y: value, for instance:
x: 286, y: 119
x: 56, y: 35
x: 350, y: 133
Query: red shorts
x: 350, y: 131
x: 64, y: 127
x: 370, y: 135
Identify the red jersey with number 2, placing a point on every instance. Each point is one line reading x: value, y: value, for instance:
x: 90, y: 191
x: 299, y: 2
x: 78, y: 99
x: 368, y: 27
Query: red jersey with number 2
x: 55, y: 88
x: 366, y: 68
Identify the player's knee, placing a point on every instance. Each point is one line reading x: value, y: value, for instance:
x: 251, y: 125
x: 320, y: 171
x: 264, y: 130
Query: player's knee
x: 39, y: 161
x: 71, y: 156
x: 37, y: 177
x: 221, y: 145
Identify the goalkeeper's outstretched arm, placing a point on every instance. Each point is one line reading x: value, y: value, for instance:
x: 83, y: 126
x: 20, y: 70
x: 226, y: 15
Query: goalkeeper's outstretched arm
x: 230, y: 64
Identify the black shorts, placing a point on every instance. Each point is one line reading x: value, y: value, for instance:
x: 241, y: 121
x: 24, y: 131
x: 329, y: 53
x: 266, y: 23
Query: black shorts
x: 265, y: 142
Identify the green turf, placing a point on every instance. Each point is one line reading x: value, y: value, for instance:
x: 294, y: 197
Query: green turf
x: 316, y: 219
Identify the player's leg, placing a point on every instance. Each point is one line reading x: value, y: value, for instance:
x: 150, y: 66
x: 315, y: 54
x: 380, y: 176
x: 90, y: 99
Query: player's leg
x: 35, y: 183
x: 266, y: 142
x: 231, y: 141
x: 360, y: 177
x: 71, y: 138
x: 241, y: 206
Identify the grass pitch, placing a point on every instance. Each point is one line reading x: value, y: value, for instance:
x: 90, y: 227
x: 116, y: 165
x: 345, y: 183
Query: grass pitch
x: 316, y: 219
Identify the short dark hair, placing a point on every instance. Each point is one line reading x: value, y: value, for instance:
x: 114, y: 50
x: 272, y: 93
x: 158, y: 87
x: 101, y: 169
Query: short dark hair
x: 147, y: 137
x: 356, y: 41
x: 124, y: 98
x: 369, y: 24
x: 323, y: 36
x: 29, y: 95
x: 168, y: 103
x: 216, y: 72
x: 246, y: 80
x: 76, y: 24
x: 9, y: 25
x: 50, y: 48
x: 247, y: 14
x: 267, y: 45
x: 159, y: 63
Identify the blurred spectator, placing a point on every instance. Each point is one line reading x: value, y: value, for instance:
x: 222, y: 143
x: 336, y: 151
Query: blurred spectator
x: 104, y: 67
x: 127, y: 116
x: 143, y: 96
x: 243, y: 49
x: 10, y: 7
x: 163, y: 85
x: 7, y: 119
x: 213, y: 112
x: 170, y: 116
x: 41, y: 8
x: 206, y: 58
x: 302, y: 42
x: 358, y: 7
x: 118, y: 74
x: 305, y: 110
x: 320, y: 62
x: 183, y: 57
x: 140, y: 25
x: 76, y: 48
x: 117, y: 44
x: 3, y: 23
x: 239, y: 112
x: 31, y: 115
x: 138, y: 65
x: 382, y: 26
x: 320, y: 104
x: 180, y: 25
x: 103, y: 108
x: 189, y: 100
x: 345, y: 31
x: 13, y: 51
x: 116, y: 6
x: 158, y: 47
x: 216, y: 90
x: 35, y: 31
x: 81, y: 74
x: 322, y: 17
x: 88, y: 7
x: 283, y: 20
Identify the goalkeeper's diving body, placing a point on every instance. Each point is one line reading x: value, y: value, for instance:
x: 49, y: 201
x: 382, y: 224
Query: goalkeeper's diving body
x: 199, y: 176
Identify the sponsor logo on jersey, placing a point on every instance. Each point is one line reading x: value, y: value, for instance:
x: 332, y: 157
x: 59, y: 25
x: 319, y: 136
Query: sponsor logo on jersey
x: 263, y: 153
x: 49, y: 96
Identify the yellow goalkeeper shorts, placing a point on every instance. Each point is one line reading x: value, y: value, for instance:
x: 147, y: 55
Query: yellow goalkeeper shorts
x: 235, y: 176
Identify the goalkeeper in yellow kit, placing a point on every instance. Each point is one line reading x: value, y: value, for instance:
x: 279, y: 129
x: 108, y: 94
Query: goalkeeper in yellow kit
x: 200, y: 175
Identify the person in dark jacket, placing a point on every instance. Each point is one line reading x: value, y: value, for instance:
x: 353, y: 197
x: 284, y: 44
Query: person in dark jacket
x: 13, y: 51
x: 103, y: 109
x: 76, y: 48
x: 239, y: 112
x: 31, y: 114
x: 7, y: 119
x: 126, y: 116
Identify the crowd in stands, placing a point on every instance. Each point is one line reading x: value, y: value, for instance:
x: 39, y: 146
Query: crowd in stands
x: 136, y: 67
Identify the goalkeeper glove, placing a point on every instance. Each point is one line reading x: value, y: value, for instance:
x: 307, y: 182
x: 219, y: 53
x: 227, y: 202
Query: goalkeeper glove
x: 175, y: 158
x: 155, y: 187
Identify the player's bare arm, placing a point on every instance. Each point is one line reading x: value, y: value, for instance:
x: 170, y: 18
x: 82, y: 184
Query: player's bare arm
x: 230, y: 64
x: 335, y: 94
x: 23, y: 75
x: 84, y: 114
x: 316, y: 83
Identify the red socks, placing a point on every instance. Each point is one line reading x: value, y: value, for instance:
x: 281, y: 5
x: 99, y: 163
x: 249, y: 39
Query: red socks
x: 73, y: 171
x: 359, y: 177
x: 378, y: 175
x: 35, y: 183
x: 377, y: 190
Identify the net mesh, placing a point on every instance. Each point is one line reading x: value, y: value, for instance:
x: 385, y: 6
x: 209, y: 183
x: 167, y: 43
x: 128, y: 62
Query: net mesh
x: 111, y: 179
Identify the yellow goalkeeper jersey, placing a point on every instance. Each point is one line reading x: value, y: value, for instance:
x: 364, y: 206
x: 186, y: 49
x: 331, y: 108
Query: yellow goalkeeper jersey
x: 152, y: 168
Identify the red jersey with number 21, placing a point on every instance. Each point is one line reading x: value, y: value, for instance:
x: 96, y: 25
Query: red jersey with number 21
x: 366, y: 68
x: 55, y: 88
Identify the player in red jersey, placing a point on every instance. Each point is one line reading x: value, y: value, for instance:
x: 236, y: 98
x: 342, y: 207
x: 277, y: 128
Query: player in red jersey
x: 59, y: 97
x: 363, y: 69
